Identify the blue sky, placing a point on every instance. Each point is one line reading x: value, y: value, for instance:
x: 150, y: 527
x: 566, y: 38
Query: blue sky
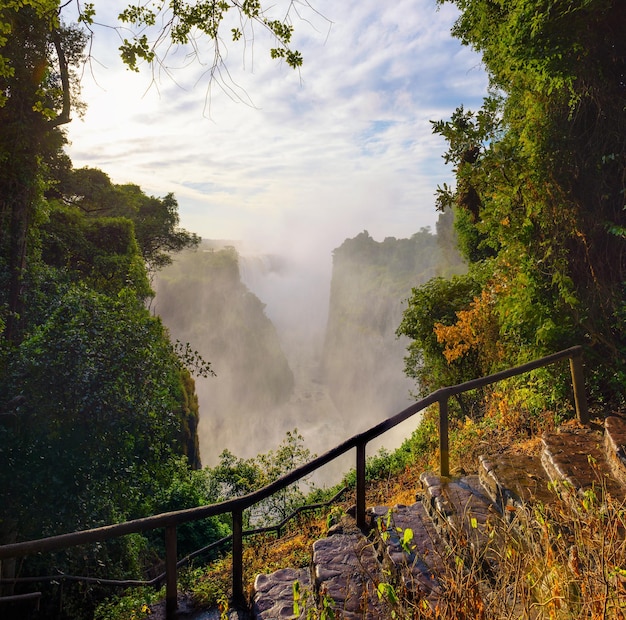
x: 317, y: 156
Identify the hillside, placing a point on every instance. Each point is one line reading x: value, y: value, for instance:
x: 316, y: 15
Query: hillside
x: 203, y: 302
x: 363, y: 359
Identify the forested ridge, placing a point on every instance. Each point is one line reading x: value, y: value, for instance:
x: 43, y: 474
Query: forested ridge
x: 98, y: 411
x: 362, y: 361
x: 202, y: 299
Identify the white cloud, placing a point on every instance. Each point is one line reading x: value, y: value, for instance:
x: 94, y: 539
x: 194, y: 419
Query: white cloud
x: 343, y: 146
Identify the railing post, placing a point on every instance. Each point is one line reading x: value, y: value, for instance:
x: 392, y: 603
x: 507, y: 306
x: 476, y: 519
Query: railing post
x: 360, y: 485
x: 444, y: 449
x: 578, y: 384
x: 171, y: 589
x: 238, y: 594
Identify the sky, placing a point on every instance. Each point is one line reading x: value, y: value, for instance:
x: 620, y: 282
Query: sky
x: 295, y: 161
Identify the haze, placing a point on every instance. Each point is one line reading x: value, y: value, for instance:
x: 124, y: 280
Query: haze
x: 289, y: 163
x: 344, y: 145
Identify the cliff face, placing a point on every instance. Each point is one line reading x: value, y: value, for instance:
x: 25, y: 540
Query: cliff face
x: 328, y: 379
x: 202, y: 301
x: 363, y: 360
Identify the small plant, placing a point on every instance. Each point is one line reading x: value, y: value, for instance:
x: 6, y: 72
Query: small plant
x: 133, y: 605
x: 334, y: 516
x: 210, y: 585
x: 304, y: 602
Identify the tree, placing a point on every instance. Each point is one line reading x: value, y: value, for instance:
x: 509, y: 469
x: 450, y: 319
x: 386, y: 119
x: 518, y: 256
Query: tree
x: 103, y: 414
x: 105, y: 418
x: 100, y: 252
x: 37, y: 54
x: 234, y: 477
x: 35, y: 59
x: 430, y: 305
x: 540, y: 183
x: 155, y: 220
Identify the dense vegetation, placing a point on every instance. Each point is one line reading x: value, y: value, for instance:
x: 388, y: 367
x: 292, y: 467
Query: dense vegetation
x: 98, y: 408
x: 538, y: 202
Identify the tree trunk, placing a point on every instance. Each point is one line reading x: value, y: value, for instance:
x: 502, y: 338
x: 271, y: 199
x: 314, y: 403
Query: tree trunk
x: 23, y: 132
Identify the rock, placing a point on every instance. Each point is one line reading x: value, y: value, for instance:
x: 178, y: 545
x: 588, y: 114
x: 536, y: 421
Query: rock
x: 274, y: 593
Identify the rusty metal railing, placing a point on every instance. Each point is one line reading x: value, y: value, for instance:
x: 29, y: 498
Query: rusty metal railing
x: 236, y: 507
x: 156, y: 582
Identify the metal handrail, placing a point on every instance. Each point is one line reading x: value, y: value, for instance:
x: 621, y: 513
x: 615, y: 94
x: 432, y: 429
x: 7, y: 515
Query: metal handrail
x: 236, y: 507
x: 155, y: 582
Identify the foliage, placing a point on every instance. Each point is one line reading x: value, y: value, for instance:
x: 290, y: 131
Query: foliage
x: 188, y: 488
x: 43, y: 11
x: 97, y: 404
x: 234, y: 477
x: 102, y: 253
x: 539, y: 192
x: 155, y: 220
x: 103, y: 417
x: 436, y: 303
x: 30, y: 113
x: 186, y: 21
x: 133, y: 606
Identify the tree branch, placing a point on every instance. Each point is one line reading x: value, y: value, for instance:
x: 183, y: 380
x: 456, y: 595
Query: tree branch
x: 64, y: 117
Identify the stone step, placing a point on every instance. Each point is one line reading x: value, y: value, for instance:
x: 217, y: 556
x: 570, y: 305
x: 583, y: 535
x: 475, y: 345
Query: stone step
x: 415, y: 561
x: 460, y: 508
x: 465, y: 512
x: 470, y: 523
x: 346, y: 574
x: 274, y: 593
x: 513, y: 480
x: 578, y: 457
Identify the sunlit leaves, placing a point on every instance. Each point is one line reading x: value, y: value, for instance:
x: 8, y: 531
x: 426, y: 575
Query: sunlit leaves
x: 539, y: 195
x: 406, y: 539
x: 292, y: 58
x: 386, y: 591
x: 87, y: 14
x: 475, y: 328
x: 45, y: 10
x: 135, y: 14
x: 437, y: 301
x: 186, y: 23
x: 136, y: 50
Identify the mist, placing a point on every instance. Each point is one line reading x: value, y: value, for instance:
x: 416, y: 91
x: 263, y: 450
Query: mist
x: 296, y: 341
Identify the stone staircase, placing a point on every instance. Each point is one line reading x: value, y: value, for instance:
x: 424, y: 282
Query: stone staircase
x: 403, y: 547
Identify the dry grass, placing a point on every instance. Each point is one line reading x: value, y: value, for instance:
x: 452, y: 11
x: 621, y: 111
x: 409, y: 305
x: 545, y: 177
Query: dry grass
x: 565, y: 559
x: 263, y: 553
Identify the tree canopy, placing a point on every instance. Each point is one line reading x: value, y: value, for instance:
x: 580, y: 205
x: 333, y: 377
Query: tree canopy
x: 39, y: 89
x: 539, y: 196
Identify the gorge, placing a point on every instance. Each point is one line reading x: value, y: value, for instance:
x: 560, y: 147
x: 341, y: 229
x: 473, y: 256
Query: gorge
x: 293, y: 348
